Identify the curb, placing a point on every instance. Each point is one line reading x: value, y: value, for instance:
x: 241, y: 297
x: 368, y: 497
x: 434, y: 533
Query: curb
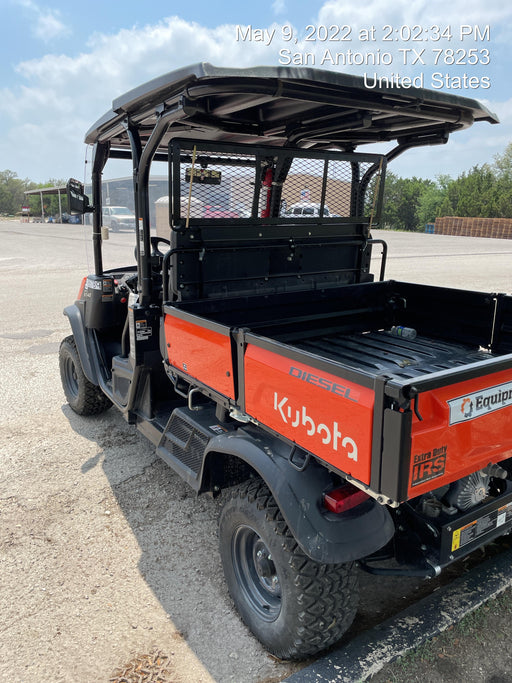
x: 369, y: 652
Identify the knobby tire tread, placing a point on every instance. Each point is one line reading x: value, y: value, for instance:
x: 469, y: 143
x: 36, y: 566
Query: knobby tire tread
x: 327, y: 593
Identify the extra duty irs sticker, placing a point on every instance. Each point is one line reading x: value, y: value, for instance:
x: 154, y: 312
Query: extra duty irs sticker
x: 429, y: 465
x: 480, y: 403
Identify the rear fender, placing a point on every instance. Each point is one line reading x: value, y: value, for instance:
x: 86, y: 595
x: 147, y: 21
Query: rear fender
x: 80, y: 335
x: 324, y: 537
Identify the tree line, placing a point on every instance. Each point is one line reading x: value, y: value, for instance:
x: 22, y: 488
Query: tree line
x: 484, y: 191
x: 409, y: 203
x: 12, y: 195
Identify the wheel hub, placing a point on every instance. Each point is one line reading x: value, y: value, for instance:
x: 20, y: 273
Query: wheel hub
x: 265, y: 568
x: 256, y: 573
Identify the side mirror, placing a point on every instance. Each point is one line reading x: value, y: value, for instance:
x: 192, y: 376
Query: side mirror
x: 78, y: 201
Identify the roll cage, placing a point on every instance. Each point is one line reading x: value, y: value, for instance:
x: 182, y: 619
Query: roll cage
x: 302, y: 108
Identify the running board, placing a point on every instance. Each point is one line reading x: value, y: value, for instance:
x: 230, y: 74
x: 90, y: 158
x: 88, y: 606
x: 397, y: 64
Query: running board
x: 184, y: 441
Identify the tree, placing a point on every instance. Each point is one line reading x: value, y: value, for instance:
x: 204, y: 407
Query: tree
x: 11, y: 192
x: 402, y: 197
x: 434, y: 201
x: 503, y: 163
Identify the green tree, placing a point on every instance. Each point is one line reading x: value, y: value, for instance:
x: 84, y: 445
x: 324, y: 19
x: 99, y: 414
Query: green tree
x: 476, y: 192
x: 11, y: 192
x: 402, y: 197
x: 503, y: 163
x: 434, y: 201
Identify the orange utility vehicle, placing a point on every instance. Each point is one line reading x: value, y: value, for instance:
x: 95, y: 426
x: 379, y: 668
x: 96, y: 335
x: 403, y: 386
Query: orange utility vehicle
x: 353, y: 419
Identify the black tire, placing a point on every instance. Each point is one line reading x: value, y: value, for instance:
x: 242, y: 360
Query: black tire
x: 295, y: 606
x: 83, y: 397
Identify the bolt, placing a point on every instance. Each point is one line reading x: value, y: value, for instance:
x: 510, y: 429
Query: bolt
x: 448, y: 528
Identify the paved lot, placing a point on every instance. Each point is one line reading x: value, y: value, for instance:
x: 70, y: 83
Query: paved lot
x: 107, y: 559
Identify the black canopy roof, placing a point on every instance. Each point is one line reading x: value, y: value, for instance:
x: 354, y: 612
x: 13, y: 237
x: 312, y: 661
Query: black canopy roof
x: 289, y: 106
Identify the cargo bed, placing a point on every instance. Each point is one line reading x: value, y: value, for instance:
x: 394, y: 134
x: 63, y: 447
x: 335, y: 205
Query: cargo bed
x: 379, y: 352
x: 322, y: 370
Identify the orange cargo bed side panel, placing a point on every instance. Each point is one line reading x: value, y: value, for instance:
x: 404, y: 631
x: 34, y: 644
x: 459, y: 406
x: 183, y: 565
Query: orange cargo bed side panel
x: 465, y: 427
x: 328, y: 416
x: 201, y: 352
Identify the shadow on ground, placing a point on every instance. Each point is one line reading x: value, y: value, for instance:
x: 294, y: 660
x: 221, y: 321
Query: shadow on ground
x: 179, y: 560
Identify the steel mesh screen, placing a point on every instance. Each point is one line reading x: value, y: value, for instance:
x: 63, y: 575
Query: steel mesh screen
x: 213, y: 184
x: 223, y: 185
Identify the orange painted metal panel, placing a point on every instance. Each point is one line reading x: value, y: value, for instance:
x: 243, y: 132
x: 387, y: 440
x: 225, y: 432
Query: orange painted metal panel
x: 328, y: 416
x: 202, y: 353
x: 465, y: 427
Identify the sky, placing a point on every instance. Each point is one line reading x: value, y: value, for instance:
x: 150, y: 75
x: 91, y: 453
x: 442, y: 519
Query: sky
x: 62, y: 63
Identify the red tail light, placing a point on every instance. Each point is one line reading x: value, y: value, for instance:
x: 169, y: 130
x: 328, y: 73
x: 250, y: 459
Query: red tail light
x: 344, y: 498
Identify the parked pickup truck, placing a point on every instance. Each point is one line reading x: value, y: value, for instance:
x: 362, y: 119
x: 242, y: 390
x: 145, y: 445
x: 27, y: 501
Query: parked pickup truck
x: 351, y: 419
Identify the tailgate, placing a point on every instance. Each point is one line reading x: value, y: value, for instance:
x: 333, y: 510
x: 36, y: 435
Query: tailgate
x: 466, y: 423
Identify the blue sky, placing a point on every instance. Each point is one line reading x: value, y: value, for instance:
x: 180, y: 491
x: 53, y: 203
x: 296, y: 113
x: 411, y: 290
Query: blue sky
x: 62, y: 63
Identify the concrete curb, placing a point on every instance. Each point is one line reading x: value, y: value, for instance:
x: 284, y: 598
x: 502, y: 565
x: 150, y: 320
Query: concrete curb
x: 369, y: 652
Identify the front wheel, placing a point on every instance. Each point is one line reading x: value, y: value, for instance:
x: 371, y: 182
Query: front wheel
x: 83, y: 397
x: 295, y: 606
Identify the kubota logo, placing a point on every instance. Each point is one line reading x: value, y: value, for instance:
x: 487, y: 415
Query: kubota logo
x: 300, y: 420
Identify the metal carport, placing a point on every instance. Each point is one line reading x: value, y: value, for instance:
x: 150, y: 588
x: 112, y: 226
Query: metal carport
x: 49, y: 190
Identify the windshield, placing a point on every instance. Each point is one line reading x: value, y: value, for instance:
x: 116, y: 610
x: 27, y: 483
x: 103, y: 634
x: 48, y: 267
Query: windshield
x: 121, y: 211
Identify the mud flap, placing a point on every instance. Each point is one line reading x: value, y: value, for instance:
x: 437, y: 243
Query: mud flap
x: 76, y: 321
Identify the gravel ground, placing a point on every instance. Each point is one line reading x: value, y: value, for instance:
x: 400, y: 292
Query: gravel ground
x: 109, y: 563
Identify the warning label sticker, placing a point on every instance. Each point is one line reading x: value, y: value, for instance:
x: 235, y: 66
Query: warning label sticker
x: 479, y: 527
x: 142, y: 330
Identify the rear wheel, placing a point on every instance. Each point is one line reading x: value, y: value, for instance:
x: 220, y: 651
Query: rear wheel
x: 295, y: 606
x: 84, y: 397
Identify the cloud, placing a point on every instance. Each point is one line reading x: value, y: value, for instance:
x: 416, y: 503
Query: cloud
x: 44, y: 23
x: 46, y: 116
x: 416, y: 12
x: 49, y: 26
x: 59, y: 97
x: 279, y: 7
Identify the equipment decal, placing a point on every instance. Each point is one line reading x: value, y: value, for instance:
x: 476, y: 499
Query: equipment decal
x: 480, y: 403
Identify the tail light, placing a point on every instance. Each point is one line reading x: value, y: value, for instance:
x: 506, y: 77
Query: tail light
x: 344, y: 498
